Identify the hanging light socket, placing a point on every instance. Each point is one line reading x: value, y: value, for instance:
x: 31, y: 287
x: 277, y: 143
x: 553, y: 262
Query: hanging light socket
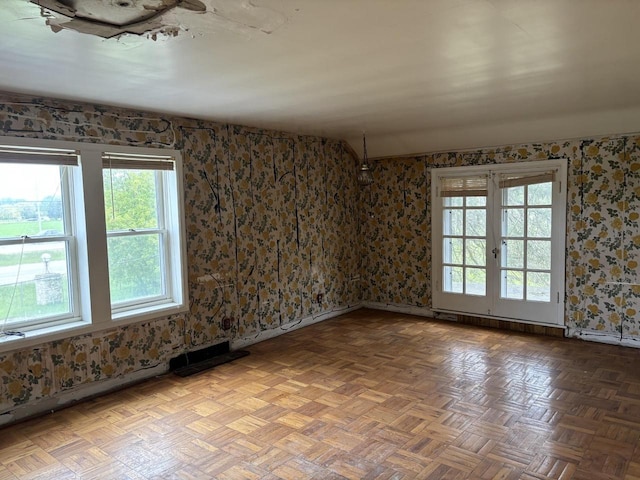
x: 365, y: 177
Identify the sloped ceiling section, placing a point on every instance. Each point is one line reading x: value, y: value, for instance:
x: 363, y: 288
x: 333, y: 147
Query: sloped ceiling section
x: 415, y: 75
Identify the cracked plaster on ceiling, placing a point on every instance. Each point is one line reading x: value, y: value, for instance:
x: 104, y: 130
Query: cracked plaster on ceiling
x: 153, y: 18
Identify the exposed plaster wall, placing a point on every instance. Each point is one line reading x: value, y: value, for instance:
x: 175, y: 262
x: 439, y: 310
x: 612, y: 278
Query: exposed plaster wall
x: 273, y: 215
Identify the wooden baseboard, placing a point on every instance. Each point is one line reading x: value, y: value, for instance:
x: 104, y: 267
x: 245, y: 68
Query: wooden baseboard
x: 511, y: 326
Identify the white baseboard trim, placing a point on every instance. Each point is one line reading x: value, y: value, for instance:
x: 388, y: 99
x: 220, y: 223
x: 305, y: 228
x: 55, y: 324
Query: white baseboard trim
x: 608, y: 338
x: 304, y: 322
x: 67, y: 398
x: 409, y: 309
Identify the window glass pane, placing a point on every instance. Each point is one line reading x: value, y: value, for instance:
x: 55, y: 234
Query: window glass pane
x: 475, y: 281
x: 513, y: 253
x: 130, y: 199
x: 539, y: 222
x: 452, y: 220
x: 452, y: 279
x: 476, y: 223
x: 512, y: 284
x: 513, y: 222
x: 476, y: 201
x: 453, y: 250
x: 476, y: 252
x: 453, y: 201
x: 539, y: 194
x: 514, y: 196
x: 30, y: 200
x: 42, y: 289
x: 539, y: 254
x: 135, y: 267
x: 539, y: 286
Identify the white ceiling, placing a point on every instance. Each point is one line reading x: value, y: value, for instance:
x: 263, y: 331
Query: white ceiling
x: 417, y: 75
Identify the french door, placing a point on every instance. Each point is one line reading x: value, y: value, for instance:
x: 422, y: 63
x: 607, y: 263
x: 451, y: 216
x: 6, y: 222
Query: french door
x: 498, y: 240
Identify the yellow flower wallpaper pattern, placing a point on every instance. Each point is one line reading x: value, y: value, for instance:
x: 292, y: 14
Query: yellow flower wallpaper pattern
x: 271, y: 216
x: 603, y: 228
x: 276, y: 218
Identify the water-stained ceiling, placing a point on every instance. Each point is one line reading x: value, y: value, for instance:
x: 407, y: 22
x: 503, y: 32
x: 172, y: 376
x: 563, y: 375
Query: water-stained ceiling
x: 417, y: 75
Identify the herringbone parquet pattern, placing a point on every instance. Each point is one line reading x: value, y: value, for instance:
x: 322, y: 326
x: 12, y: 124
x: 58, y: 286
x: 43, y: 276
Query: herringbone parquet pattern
x: 370, y: 395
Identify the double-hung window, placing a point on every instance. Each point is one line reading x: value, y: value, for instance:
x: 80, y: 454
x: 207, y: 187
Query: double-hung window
x: 137, y: 194
x: 498, y: 240
x: 37, y: 242
x: 90, y: 235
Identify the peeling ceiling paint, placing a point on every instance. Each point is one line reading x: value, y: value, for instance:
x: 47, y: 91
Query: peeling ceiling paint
x: 111, y: 18
x: 416, y: 75
x: 153, y: 18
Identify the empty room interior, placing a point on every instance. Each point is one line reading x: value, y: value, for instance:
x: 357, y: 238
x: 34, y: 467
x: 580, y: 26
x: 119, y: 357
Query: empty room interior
x: 291, y: 239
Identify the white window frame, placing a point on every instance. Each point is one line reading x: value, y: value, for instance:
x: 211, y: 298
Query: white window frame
x: 67, y: 237
x: 88, y: 245
x: 490, y: 305
x: 167, y: 217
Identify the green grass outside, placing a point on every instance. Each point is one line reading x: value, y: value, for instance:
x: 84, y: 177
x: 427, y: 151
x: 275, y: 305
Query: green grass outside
x: 24, y: 305
x: 17, y: 229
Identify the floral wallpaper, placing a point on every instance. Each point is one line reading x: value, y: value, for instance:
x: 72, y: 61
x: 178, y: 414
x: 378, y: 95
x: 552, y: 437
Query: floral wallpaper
x: 277, y: 218
x: 273, y: 217
x: 603, y: 228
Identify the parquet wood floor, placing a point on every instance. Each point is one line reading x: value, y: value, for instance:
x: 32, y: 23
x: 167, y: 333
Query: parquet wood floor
x: 369, y: 395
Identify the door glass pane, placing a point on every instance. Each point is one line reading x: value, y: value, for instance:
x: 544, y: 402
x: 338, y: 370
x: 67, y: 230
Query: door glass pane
x: 476, y: 252
x: 476, y: 201
x: 453, y: 279
x: 539, y: 194
x: 539, y: 222
x: 513, y: 253
x: 513, y: 286
x: 539, y: 286
x: 514, y: 222
x: 514, y: 196
x: 453, y: 250
x: 135, y: 267
x: 453, y: 201
x: 539, y: 254
x: 476, y: 280
x: 452, y: 220
x: 476, y: 223
x: 42, y: 287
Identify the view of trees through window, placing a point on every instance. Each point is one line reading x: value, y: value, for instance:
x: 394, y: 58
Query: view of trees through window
x: 465, y: 244
x: 525, y: 243
x: 134, y: 237
x: 34, y: 271
x: 498, y: 235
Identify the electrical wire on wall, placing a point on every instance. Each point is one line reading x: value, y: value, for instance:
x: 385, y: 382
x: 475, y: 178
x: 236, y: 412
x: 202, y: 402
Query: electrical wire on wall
x: 167, y: 125
x: 3, y: 330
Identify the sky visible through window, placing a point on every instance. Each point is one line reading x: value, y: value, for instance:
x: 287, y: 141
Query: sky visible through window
x: 28, y: 182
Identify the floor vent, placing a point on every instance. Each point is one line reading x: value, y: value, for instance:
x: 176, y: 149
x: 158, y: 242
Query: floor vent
x: 191, y: 363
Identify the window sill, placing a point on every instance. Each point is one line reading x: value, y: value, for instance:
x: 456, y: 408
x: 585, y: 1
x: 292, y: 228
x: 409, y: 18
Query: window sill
x: 149, y: 312
x: 45, y: 334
